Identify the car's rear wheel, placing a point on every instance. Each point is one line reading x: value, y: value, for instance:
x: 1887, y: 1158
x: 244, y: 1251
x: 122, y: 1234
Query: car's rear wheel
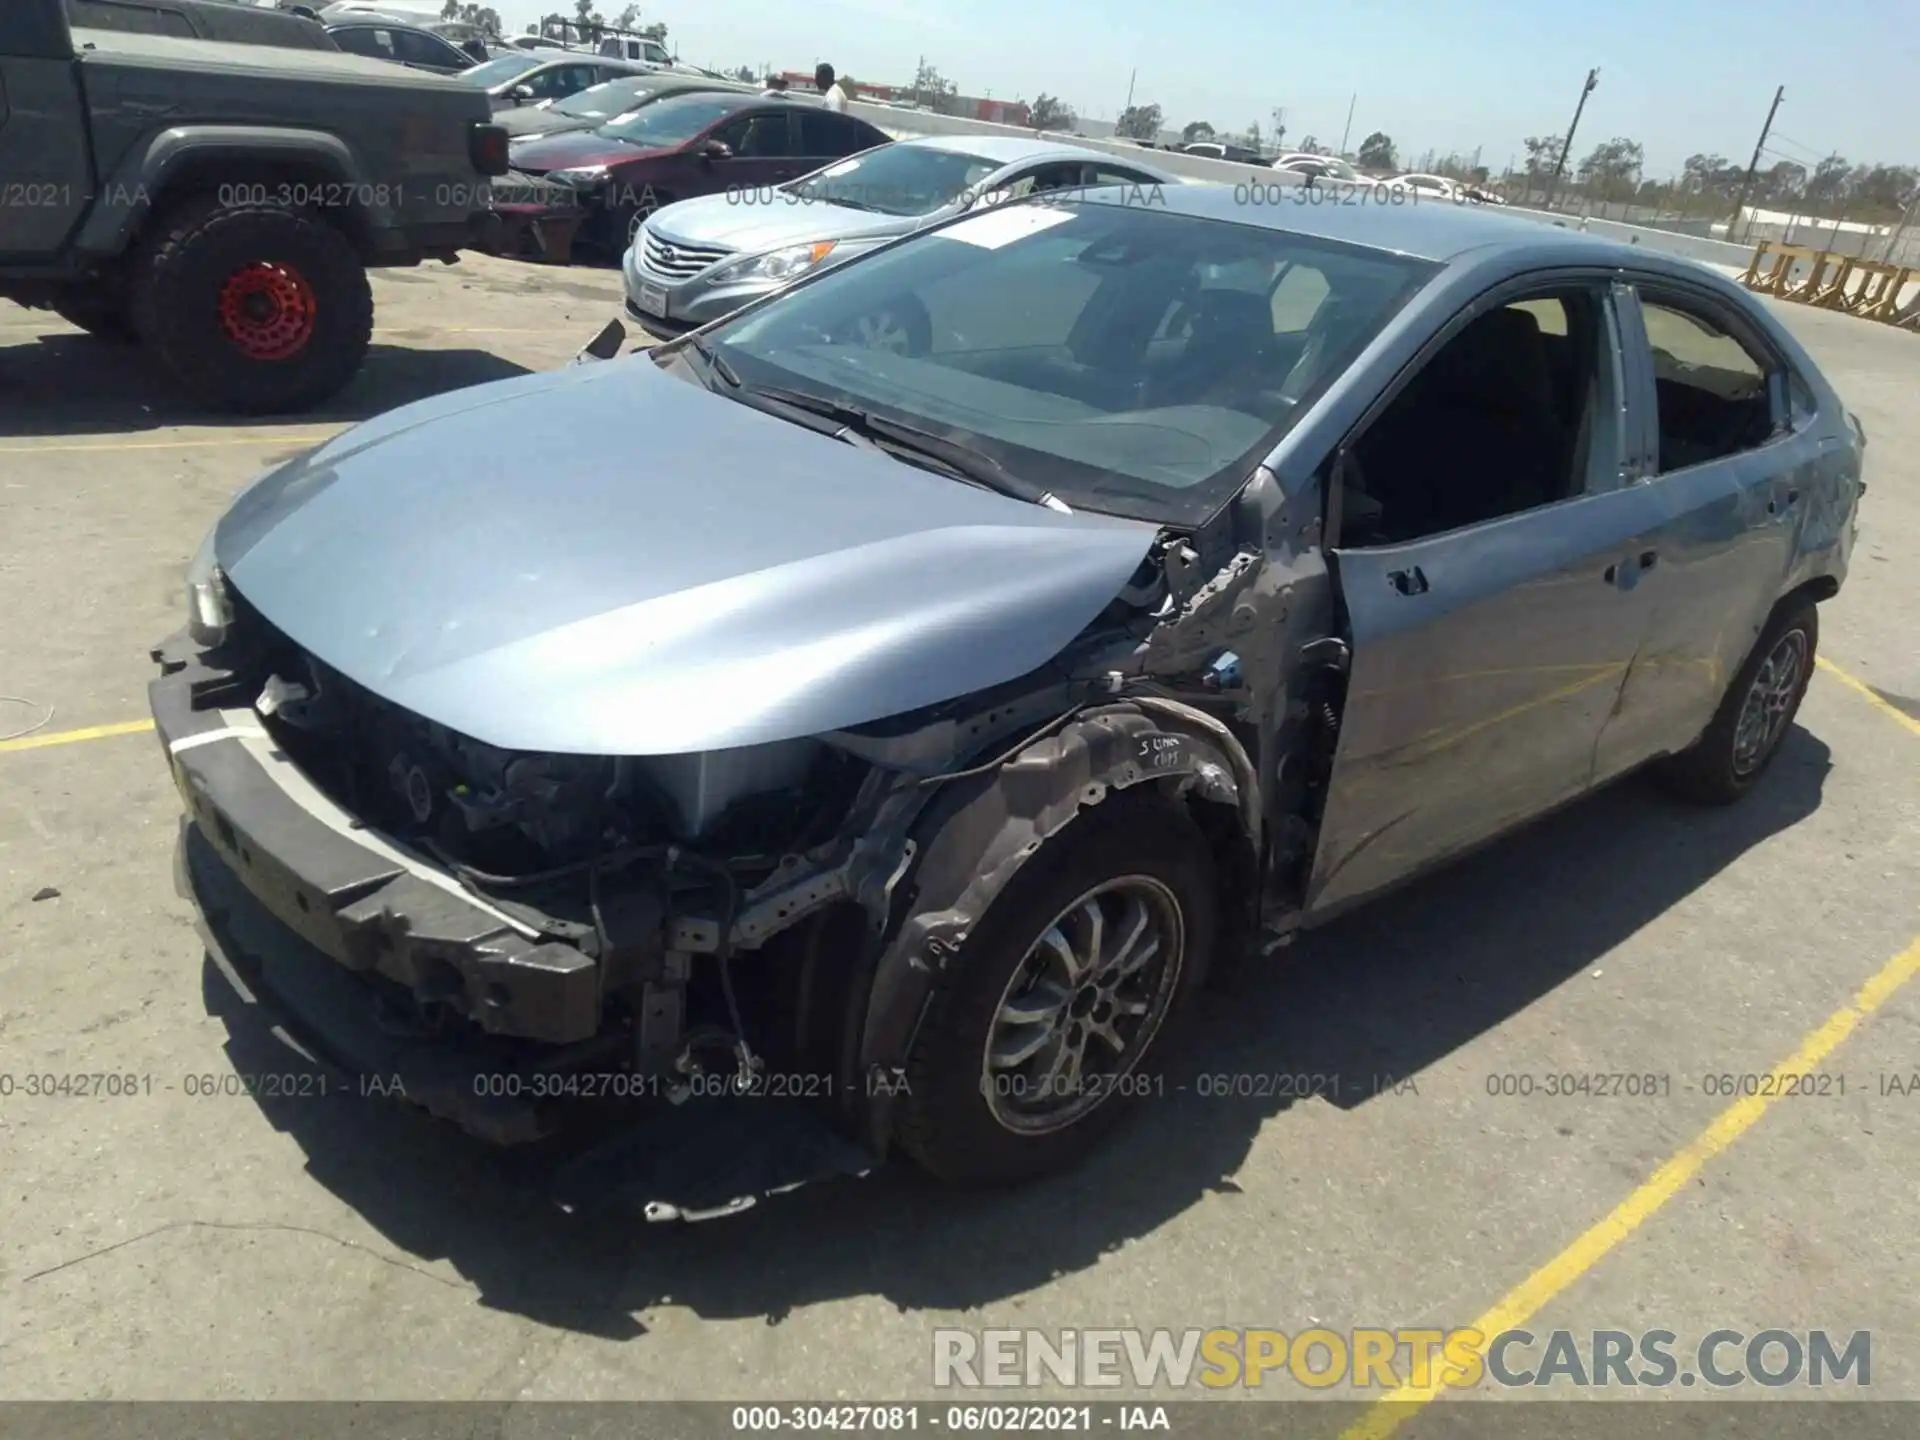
x: 1041, y: 1029
x: 255, y: 309
x: 1755, y: 714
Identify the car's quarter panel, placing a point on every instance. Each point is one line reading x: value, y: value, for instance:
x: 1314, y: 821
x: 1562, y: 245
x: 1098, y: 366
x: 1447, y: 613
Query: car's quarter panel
x: 387, y: 141
x: 43, y: 154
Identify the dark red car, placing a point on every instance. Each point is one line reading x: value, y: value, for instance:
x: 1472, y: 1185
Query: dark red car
x: 596, y: 186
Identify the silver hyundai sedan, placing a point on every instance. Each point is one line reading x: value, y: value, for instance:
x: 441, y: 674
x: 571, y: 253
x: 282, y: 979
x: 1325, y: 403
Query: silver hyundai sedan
x: 698, y: 260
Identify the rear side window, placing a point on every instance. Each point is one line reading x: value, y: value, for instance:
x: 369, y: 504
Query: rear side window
x: 825, y: 134
x: 365, y: 40
x: 1710, y: 388
x: 135, y: 18
x: 417, y: 49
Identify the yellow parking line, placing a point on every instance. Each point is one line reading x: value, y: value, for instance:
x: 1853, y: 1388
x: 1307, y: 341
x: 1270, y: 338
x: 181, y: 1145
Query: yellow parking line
x: 192, y: 444
x: 72, y: 737
x: 1521, y: 1304
x: 1860, y: 687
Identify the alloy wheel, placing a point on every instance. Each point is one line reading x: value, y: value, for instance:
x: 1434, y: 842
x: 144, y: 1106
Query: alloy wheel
x: 1769, y: 703
x: 1083, y: 1005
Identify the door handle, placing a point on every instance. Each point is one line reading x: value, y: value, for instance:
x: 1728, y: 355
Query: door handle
x: 1411, y: 581
x: 1648, y: 558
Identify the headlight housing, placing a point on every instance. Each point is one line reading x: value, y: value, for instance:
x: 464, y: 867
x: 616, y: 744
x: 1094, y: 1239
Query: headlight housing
x: 209, y: 606
x: 779, y: 265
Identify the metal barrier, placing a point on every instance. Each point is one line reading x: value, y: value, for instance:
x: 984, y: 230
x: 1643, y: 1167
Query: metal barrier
x: 1866, y: 288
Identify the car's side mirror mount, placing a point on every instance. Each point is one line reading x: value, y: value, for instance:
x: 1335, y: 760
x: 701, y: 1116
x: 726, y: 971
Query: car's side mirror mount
x: 715, y: 150
x: 522, y: 93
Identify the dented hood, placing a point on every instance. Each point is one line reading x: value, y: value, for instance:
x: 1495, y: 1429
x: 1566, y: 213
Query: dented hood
x: 609, y: 560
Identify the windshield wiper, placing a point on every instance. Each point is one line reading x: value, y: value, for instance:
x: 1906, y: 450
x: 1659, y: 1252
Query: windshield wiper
x: 949, y: 455
x: 715, y: 361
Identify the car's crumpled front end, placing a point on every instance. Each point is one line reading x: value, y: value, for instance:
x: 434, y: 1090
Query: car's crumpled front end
x: 543, y: 774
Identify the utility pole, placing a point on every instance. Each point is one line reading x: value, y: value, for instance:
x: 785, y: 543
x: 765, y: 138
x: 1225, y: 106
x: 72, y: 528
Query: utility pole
x: 1130, y: 79
x: 1753, y: 165
x: 1351, y: 102
x: 1566, y: 146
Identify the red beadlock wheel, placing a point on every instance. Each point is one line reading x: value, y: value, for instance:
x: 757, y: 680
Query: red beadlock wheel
x: 268, y: 311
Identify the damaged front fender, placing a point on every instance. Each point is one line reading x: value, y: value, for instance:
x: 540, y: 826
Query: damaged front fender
x: 971, y: 843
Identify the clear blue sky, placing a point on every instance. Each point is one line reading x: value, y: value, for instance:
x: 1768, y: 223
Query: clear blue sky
x: 1677, y: 75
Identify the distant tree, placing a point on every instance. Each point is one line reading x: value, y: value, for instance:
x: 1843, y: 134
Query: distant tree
x: 627, y: 18
x: 1887, y: 188
x: 1828, y: 182
x: 933, y: 90
x: 1543, y: 153
x: 1138, y: 122
x: 1781, y: 182
x: 1376, y: 152
x: 588, y: 22
x: 1048, y: 112
x: 745, y: 75
x: 656, y: 31
x: 1311, y: 146
x: 1612, y: 165
x: 1195, y: 130
x: 1252, y: 138
x: 481, y: 17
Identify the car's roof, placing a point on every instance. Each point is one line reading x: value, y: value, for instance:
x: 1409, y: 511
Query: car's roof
x: 1426, y: 230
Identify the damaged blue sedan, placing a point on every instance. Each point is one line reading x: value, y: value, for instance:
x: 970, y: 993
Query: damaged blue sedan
x: 891, y: 700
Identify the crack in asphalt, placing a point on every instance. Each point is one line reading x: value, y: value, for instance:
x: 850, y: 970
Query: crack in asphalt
x: 278, y: 1225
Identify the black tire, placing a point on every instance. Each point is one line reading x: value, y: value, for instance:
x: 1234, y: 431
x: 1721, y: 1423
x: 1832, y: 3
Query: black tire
x: 951, y: 1124
x: 1724, y: 764
x: 301, y: 354
x: 97, y: 309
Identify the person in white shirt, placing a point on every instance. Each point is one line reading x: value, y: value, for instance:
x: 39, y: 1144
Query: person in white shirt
x: 832, y: 95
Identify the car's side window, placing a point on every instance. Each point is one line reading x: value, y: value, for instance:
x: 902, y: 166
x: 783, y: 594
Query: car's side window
x: 1114, y: 175
x: 1503, y: 418
x: 758, y: 137
x: 422, y: 50
x: 365, y: 40
x: 827, y: 135
x: 1710, y: 390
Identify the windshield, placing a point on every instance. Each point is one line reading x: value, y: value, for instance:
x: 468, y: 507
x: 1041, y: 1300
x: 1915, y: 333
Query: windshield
x: 499, y: 71
x: 897, y: 180
x: 608, y: 98
x: 672, y: 121
x: 1124, y: 358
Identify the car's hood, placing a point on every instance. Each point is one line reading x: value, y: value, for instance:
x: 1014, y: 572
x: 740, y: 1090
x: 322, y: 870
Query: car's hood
x: 541, y: 153
x: 609, y: 560
x: 782, y: 218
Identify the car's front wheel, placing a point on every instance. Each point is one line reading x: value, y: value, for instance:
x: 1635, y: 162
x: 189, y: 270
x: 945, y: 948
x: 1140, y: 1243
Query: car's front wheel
x: 1755, y: 714
x: 1041, y: 1030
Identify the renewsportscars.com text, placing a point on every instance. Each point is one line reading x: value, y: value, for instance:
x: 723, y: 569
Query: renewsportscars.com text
x: 1384, y: 1360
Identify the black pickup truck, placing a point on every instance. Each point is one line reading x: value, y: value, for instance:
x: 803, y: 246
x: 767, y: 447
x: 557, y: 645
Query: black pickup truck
x: 220, y: 200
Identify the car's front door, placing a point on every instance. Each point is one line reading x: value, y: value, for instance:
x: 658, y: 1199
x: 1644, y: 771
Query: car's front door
x: 764, y: 152
x: 1486, y: 657
x: 1719, y: 505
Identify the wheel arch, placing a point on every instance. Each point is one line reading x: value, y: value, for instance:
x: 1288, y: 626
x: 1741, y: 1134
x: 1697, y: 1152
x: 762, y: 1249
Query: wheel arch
x: 197, y: 160
x: 974, y: 839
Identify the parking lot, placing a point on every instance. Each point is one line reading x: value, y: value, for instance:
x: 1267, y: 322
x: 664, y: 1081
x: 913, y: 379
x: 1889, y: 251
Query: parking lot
x: 168, y: 1244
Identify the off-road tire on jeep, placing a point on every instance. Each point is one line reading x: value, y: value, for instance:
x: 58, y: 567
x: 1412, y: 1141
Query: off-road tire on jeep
x: 949, y: 1126
x: 97, y: 309
x: 1714, y: 771
x: 255, y: 309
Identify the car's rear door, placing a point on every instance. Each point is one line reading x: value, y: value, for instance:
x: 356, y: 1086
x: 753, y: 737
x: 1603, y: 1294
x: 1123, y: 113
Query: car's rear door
x: 1485, y: 660
x: 1717, y: 507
